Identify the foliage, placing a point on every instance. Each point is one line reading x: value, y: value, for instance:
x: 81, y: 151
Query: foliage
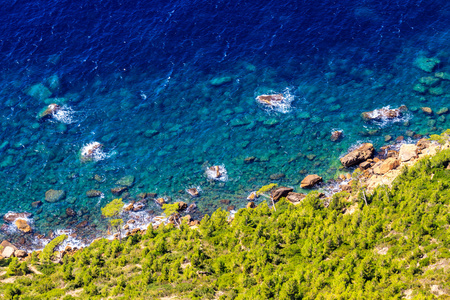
x: 266, y: 188
x: 307, y: 251
x: 47, y: 253
x: 112, y: 210
x: 442, y: 138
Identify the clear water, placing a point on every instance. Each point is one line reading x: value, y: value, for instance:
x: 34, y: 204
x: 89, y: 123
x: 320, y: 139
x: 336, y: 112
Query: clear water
x: 141, y: 78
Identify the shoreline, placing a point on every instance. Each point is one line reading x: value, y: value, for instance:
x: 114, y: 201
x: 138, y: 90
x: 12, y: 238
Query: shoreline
x: 381, y: 167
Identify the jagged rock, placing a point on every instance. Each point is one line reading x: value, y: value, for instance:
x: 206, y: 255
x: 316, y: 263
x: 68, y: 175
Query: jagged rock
x: 251, y: 204
x: 89, y: 151
x: 22, y: 225
x: 8, y: 252
x: 193, y: 192
x: 160, y: 201
x: 12, y: 216
x: 346, y: 188
x: 70, y: 212
x: 231, y: 207
x: 423, y: 143
x: 5, y: 243
x: 139, y: 206
x: 364, y: 165
x: 191, y: 207
x: 118, y: 190
x: 129, y: 207
x: 385, y: 166
x: 280, y: 192
x: 271, y: 100
x: 384, y: 113
x: 408, y: 152
x: 336, y: 135
x: 392, y: 153
x: 427, y: 110
x: 310, y: 180
x: 181, y: 205
x: 364, y: 152
x: 93, y: 193
x: 126, y: 181
x: 295, y: 197
x: 53, y: 196
x: 20, y: 253
x: 49, y: 111
x: 252, y: 196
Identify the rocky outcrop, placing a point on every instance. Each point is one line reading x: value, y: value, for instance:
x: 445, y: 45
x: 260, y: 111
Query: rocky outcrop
x: 384, y: 113
x: 310, y: 180
x: 160, y: 201
x: 408, y: 152
x: 193, y: 192
x: 357, y: 156
x: 118, y: 190
x: 53, y: 196
x: 49, y: 111
x: 181, y: 205
x: 295, y: 197
x: 90, y: 151
x: 280, y: 192
x: 385, y: 166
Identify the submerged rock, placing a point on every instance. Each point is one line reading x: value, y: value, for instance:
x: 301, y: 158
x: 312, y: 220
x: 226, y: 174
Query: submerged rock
x: 49, y: 111
x: 443, y: 75
x: 310, y: 180
x: 427, y: 110
x: 193, y: 192
x: 126, y: 181
x: 357, y: 156
x: 336, y: 135
x: 426, y: 64
x: 442, y: 111
x: 55, y: 195
x: 93, y: 193
x: 384, y: 113
x: 118, y: 190
x: 38, y: 91
x: 220, y: 80
x: 89, y: 151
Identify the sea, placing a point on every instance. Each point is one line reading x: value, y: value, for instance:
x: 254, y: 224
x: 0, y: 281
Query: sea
x: 168, y: 90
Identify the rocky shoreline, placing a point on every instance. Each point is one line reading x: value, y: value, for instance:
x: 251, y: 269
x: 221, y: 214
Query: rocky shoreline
x: 370, y: 167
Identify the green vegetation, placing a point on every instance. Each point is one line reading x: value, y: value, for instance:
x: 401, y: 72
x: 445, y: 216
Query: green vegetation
x: 266, y: 188
x: 113, y: 210
x: 441, y: 138
x: 395, y: 243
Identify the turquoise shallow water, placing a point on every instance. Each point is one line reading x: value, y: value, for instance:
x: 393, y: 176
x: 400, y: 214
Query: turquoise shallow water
x: 167, y: 119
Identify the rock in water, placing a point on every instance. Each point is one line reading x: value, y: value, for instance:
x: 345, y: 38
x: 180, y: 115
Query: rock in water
x: 193, y: 192
x: 54, y: 195
x: 38, y: 91
x: 89, y: 151
x: 336, y: 135
x: 384, y: 113
x: 427, y: 110
x: 93, y: 193
x: 12, y: 216
x: 310, y: 180
x: 271, y: 100
x: 22, y: 225
x: 408, y: 152
x: 126, y: 181
x: 426, y: 64
x: 281, y: 192
x: 364, y: 152
x: 49, y: 111
x: 220, y: 80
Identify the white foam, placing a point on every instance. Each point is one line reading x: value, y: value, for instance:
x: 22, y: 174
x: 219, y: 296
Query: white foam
x: 93, y: 151
x: 211, y: 174
x: 378, y: 117
x: 284, y: 106
x: 64, y: 115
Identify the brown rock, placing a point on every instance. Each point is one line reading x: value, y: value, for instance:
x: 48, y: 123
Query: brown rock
x: 427, y: 110
x: 22, y: 225
x: 231, y: 207
x: 48, y: 113
x: 400, y: 138
x: 364, y: 165
x: 129, y: 207
x: 93, y: 193
x: 70, y: 212
x: 348, y: 175
x: 376, y: 159
x: 392, y: 153
x: 362, y: 153
x: 54, y: 195
x: 11, y: 216
x: 387, y: 165
x: 295, y: 197
x: 310, y: 180
x: 193, y: 192
x: 251, y: 204
x: 423, y: 143
x: 342, y: 177
x: 181, y: 205
x: 280, y: 192
x: 5, y: 243
x: 271, y: 100
x: 336, y: 135
x: 191, y: 207
x: 152, y: 195
x: 139, y: 206
x: 225, y: 201
x: 194, y: 223
x: 20, y: 253
x: 346, y: 187
x: 249, y: 160
x: 82, y: 224
x: 384, y: 113
x: 408, y: 152
x: 118, y: 190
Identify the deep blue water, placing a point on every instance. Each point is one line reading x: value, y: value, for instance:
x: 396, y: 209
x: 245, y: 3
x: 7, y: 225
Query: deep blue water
x: 136, y: 77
